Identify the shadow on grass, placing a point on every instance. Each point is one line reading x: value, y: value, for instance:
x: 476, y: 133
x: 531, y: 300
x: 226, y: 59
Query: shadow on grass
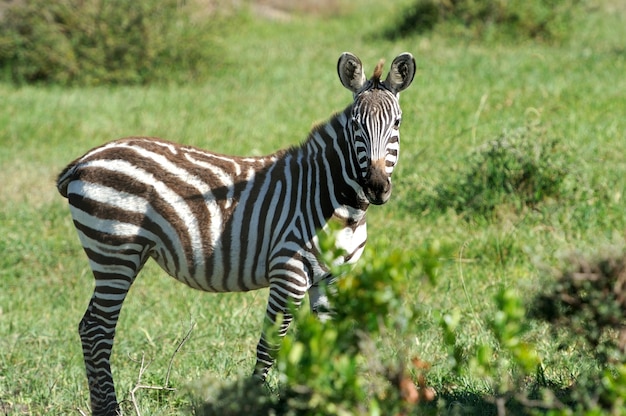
x: 246, y: 397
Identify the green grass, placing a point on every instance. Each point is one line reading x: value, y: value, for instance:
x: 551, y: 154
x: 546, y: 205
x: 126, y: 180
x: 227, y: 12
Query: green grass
x: 278, y: 80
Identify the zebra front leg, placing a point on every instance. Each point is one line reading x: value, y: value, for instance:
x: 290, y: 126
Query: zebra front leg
x: 97, y: 330
x: 318, y: 297
x: 283, y: 295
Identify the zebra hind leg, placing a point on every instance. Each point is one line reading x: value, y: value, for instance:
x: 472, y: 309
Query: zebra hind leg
x: 97, y: 330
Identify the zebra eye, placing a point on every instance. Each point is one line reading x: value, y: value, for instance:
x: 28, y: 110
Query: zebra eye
x: 396, y: 124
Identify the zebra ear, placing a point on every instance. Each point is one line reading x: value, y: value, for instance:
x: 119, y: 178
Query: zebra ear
x: 350, y: 72
x: 401, y: 73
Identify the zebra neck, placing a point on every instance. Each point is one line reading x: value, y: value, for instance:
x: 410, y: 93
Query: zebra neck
x: 329, y: 158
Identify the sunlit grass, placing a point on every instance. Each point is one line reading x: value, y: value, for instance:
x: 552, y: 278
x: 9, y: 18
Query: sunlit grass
x: 280, y: 79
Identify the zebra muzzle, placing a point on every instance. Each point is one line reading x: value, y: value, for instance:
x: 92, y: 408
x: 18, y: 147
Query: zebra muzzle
x: 377, y: 183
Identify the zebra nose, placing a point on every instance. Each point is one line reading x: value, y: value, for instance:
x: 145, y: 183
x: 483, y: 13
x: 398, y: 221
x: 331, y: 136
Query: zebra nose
x: 377, y: 184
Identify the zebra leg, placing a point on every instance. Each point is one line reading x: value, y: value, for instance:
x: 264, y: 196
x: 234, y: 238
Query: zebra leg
x: 282, y: 296
x: 97, y: 330
x: 318, y: 297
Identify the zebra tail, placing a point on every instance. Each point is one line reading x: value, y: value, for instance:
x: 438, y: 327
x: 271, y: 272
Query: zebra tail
x: 65, y: 177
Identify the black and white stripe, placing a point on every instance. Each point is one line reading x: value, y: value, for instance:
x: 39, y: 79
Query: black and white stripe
x: 222, y: 224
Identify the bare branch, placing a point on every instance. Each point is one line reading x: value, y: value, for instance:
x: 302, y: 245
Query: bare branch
x: 143, y: 367
x: 180, y: 345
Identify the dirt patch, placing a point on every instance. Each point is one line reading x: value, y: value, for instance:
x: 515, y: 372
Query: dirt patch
x: 281, y: 10
x: 315, y: 7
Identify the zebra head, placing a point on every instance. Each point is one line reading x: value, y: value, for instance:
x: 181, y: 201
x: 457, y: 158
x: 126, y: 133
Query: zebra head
x: 375, y: 121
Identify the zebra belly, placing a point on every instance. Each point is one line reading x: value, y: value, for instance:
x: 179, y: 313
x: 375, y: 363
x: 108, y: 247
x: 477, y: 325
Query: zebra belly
x: 216, y: 279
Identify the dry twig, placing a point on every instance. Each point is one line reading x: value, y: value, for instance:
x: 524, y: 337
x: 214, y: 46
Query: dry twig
x: 144, y: 367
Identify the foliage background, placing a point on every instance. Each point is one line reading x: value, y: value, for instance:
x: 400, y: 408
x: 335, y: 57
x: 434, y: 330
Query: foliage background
x: 261, y: 77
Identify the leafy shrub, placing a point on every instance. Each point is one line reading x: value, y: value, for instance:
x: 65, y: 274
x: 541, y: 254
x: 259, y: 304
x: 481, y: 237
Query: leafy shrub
x: 520, y: 168
x: 419, y: 17
x: 340, y: 367
x: 536, y: 19
x: 103, y: 41
x: 505, y: 363
x: 588, y: 302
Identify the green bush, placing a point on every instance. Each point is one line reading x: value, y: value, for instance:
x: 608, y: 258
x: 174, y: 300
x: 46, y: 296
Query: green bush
x: 521, y: 168
x: 339, y: 367
x: 536, y: 19
x: 505, y: 363
x: 355, y: 363
x: 104, y: 42
x: 587, y: 301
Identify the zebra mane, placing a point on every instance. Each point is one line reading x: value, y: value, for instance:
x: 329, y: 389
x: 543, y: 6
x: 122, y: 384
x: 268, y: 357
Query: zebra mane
x: 317, y: 129
x: 378, y: 72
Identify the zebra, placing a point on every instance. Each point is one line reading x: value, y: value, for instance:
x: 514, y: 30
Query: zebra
x: 223, y: 223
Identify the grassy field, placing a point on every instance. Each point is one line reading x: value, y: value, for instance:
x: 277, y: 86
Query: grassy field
x: 276, y: 80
